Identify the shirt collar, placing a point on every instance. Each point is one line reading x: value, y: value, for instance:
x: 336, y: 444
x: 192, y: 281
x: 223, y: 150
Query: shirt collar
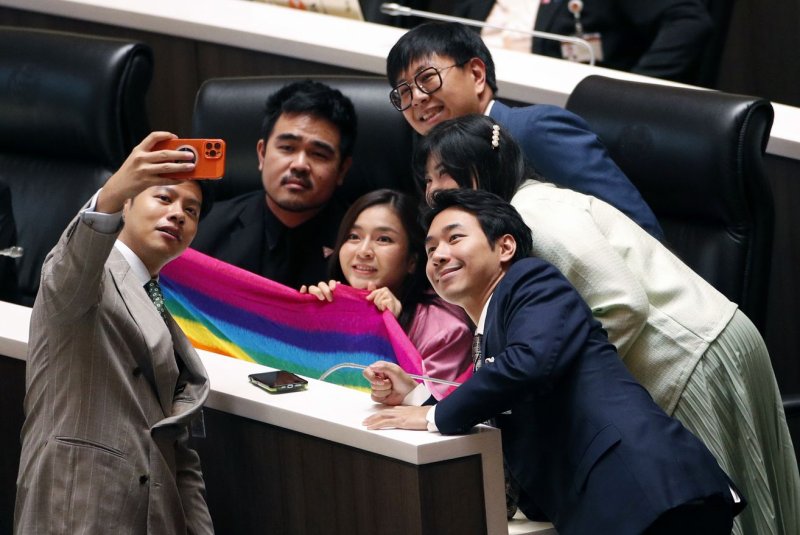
x: 137, y: 266
x: 488, y: 109
x: 482, y: 320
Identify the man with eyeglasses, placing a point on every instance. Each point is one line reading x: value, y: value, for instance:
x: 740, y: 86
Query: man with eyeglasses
x: 440, y: 71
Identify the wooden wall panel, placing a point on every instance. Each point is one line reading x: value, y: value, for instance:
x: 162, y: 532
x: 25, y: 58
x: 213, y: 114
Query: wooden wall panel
x: 260, y: 475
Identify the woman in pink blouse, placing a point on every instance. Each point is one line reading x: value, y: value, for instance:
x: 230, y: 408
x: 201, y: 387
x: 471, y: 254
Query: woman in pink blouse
x: 380, y: 248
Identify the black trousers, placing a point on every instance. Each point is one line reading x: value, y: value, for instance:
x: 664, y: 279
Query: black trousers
x: 710, y: 516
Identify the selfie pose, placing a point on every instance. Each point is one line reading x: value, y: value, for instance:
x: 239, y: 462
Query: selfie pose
x: 698, y: 355
x: 379, y: 248
x: 584, y: 443
x: 112, y: 384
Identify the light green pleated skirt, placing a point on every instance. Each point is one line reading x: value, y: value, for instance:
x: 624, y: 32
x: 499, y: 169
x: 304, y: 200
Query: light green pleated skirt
x: 731, y: 402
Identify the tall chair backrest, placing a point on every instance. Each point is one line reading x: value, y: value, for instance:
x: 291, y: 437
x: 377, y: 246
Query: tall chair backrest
x: 697, y: 159
x: 71, y: 108
x: 233, y: 109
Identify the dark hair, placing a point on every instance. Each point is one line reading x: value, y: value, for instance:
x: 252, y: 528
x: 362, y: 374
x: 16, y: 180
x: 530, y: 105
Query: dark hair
x: 464, y: 147
x: 449, y: 39
x: 496, y: 216
x: 416, y: 286
x: 207, y: 191
x: 317, y: 99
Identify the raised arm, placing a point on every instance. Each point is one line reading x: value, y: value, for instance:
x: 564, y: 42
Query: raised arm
x: 72, y: 271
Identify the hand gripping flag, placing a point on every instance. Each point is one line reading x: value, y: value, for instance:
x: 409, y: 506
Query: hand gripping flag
x: 227, y: 310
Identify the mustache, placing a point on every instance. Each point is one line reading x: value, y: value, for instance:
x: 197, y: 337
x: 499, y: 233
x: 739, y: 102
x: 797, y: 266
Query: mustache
x: 295, y: 177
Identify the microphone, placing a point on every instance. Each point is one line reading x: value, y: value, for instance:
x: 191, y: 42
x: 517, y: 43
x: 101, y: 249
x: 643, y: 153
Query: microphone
x: 12, y: 252
x: 332, y: 369
x: 404, y: 11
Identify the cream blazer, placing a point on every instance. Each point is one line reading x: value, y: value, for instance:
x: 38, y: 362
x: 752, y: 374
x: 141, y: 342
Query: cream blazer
x: 660, y: 315
x: 104, y: 443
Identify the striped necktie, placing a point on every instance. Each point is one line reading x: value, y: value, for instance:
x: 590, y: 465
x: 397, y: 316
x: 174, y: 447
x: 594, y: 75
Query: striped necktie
x: 477, y: 357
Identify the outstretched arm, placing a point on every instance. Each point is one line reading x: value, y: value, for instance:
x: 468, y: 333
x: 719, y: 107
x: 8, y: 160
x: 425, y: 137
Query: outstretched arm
x: 72, y: 272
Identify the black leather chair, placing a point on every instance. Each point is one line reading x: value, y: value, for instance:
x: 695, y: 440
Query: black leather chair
x: 233, y: 108
x: 696, y: 157
x: 71, y: 109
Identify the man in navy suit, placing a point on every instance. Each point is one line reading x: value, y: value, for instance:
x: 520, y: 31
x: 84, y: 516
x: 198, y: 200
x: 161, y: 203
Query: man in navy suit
x: 584, y: 442
x: 439, y: 71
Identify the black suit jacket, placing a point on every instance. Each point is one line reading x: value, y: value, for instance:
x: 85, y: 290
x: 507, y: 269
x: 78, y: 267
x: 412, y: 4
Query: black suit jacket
x: 584, y: 441
x: 660, y: 38
x: 241, y: 231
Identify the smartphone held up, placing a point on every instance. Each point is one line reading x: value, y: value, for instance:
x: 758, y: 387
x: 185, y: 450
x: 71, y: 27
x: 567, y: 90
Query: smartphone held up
x: 209, y: 157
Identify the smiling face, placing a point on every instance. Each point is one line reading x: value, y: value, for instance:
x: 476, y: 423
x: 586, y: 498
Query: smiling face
x: 301, y: 166
x: 463, y: 91
x: 463, y: 267
x: 376, y: 251
x: 161, y: 222
x: 437, y: 178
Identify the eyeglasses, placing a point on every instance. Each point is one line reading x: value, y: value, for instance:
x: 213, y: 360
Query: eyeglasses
x: 428, y: 80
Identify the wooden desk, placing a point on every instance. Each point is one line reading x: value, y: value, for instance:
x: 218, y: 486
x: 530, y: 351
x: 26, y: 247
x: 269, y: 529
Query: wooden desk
x: 302, y: 462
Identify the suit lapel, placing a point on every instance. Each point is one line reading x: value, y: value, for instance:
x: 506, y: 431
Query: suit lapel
x: 158, y: 363
x: 193, y: 377
x: 248, y: 236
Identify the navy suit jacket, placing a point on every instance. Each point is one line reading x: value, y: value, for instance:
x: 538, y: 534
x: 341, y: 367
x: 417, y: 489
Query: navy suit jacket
x: 661, y: 38
x: 560, y: 146
x: 584, y: 441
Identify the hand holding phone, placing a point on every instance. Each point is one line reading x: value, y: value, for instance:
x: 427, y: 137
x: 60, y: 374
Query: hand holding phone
x: 209, y: 157
x: 278, y: 382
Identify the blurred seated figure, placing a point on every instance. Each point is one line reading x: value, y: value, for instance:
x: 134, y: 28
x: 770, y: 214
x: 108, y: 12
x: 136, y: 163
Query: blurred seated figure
x: 371, y: 10
x: 659, y: 38
x: 8, y: 238
x: 380, y: 249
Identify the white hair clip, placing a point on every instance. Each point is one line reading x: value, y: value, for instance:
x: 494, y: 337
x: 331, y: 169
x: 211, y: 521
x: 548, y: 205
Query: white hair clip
x: 495, y: 136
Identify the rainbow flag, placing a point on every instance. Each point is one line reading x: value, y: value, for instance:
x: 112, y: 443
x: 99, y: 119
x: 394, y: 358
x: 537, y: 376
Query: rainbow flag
x: 228, y: 310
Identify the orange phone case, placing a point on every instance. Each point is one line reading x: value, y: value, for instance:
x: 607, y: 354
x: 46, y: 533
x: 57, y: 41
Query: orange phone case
x: 209, y: 157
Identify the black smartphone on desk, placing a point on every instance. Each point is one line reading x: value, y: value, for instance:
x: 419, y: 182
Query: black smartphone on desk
x: 278, y: 382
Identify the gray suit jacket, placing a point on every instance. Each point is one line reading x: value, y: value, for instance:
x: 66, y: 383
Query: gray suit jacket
x: 104, y: 444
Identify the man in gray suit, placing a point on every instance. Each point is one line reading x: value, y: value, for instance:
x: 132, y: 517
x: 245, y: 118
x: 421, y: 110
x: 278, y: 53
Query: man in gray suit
x: 112, y: 383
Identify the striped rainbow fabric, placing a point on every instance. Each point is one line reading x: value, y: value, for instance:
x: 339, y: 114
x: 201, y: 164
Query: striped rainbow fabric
x: 228, y: 310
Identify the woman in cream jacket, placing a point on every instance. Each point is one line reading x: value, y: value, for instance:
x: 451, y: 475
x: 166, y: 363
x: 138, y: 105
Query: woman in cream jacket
x: 697, y: 354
